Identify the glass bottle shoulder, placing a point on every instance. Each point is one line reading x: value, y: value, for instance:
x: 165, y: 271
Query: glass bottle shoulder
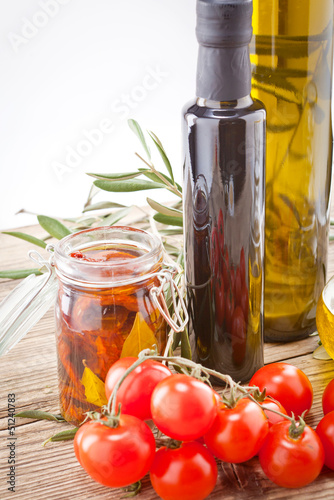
x: 202, y: 108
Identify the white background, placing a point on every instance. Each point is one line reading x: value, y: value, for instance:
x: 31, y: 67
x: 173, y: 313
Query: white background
x: 68, y: 67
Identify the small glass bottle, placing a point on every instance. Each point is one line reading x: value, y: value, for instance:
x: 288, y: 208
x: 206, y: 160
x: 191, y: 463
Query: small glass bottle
x: 224, y: 149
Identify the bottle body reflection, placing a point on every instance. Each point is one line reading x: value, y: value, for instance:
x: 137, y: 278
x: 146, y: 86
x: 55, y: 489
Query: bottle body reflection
x: 224, y: 233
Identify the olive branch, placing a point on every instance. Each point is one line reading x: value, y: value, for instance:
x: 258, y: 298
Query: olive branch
x: 162, y: 220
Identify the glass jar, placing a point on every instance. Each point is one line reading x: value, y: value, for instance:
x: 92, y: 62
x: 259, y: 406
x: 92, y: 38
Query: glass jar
x: 109, y: 286
x: 292, y: 75
x: 104, y: 310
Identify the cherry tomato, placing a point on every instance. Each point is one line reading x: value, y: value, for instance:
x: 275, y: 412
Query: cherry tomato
x: 221, y: 231
x: 237, y: 433
x: 136, y: 390
x: 273, y: 418
x: 185, y: 473
x: 291, y: 462
x: 325, y: 431
x: 242, y: 266
x: 229, y: 309
x: 214, y: 251
x: 219, y: 301
x: 183, y: 407
x: 198, y: 440
x: 238, y: 336
x: 287, y: 384
x: 77, y: 442
x: 328, y: 398
x: 116, y: 456
x: 217, y: 397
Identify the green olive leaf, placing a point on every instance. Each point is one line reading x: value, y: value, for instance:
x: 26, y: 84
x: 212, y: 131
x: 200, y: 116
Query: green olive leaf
x: 62, y: 436
x: 18, y: 274
x: 157, y: 140
x: 279, y: 93
x: 102, y: 205
x: 268, y: 71
x: 185, y: 345
x: 324, y: 35
x: 279, y: 128
x: 26, y: 237
x: 115, y: 177
x: 162, y: 154
x: 162, y: 209
x: 53, y: 227
x: 292, y: 207
x: 153, y: 177
x: 171, y: 232
x: 85, y: 223
x: 127, y: 185
x: 171, y: 249
x: 136, y: 129
x: 297, y: 155
x: 168, y: 220
x: 321, y: 353
x: 276, y: 80
x: 92, y: 192
x: 287, y: 47
x: 40, y: 415
x: 176, y: 342
x: 116, y: 216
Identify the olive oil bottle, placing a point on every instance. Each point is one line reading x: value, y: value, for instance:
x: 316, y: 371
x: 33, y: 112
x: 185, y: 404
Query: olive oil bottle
x: 224, y: 141
x: 291, y: 59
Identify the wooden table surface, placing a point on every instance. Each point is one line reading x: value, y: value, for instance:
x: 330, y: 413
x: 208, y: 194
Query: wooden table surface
x: 52, y: 472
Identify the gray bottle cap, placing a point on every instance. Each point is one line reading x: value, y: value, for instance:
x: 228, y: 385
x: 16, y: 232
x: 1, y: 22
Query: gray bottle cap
x: 224, y: 23
x: 224, y: 30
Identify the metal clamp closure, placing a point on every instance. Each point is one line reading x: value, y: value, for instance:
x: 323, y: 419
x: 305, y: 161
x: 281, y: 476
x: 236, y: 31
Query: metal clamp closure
x: 38, y: 259
x: 157, y: 292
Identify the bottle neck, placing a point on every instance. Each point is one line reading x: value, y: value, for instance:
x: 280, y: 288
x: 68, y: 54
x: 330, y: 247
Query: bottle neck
x: 223, y: 74
x: 243, y: 102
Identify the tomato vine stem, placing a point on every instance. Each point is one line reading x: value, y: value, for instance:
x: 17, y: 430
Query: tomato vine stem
x: 202, y: 373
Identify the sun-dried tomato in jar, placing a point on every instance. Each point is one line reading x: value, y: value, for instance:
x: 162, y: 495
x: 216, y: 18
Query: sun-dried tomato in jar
x: 104, y: 309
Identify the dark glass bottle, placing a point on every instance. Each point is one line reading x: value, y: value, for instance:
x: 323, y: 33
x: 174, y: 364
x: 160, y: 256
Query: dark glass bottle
x: 224, y: 150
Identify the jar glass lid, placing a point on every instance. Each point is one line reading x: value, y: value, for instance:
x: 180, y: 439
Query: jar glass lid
x: 26, y: 304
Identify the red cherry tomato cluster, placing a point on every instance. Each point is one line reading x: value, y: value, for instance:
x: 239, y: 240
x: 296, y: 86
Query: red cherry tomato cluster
x: 230, y: 292
x: 290, y: 461
x: 325, y: 429
x: 119, y: 450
